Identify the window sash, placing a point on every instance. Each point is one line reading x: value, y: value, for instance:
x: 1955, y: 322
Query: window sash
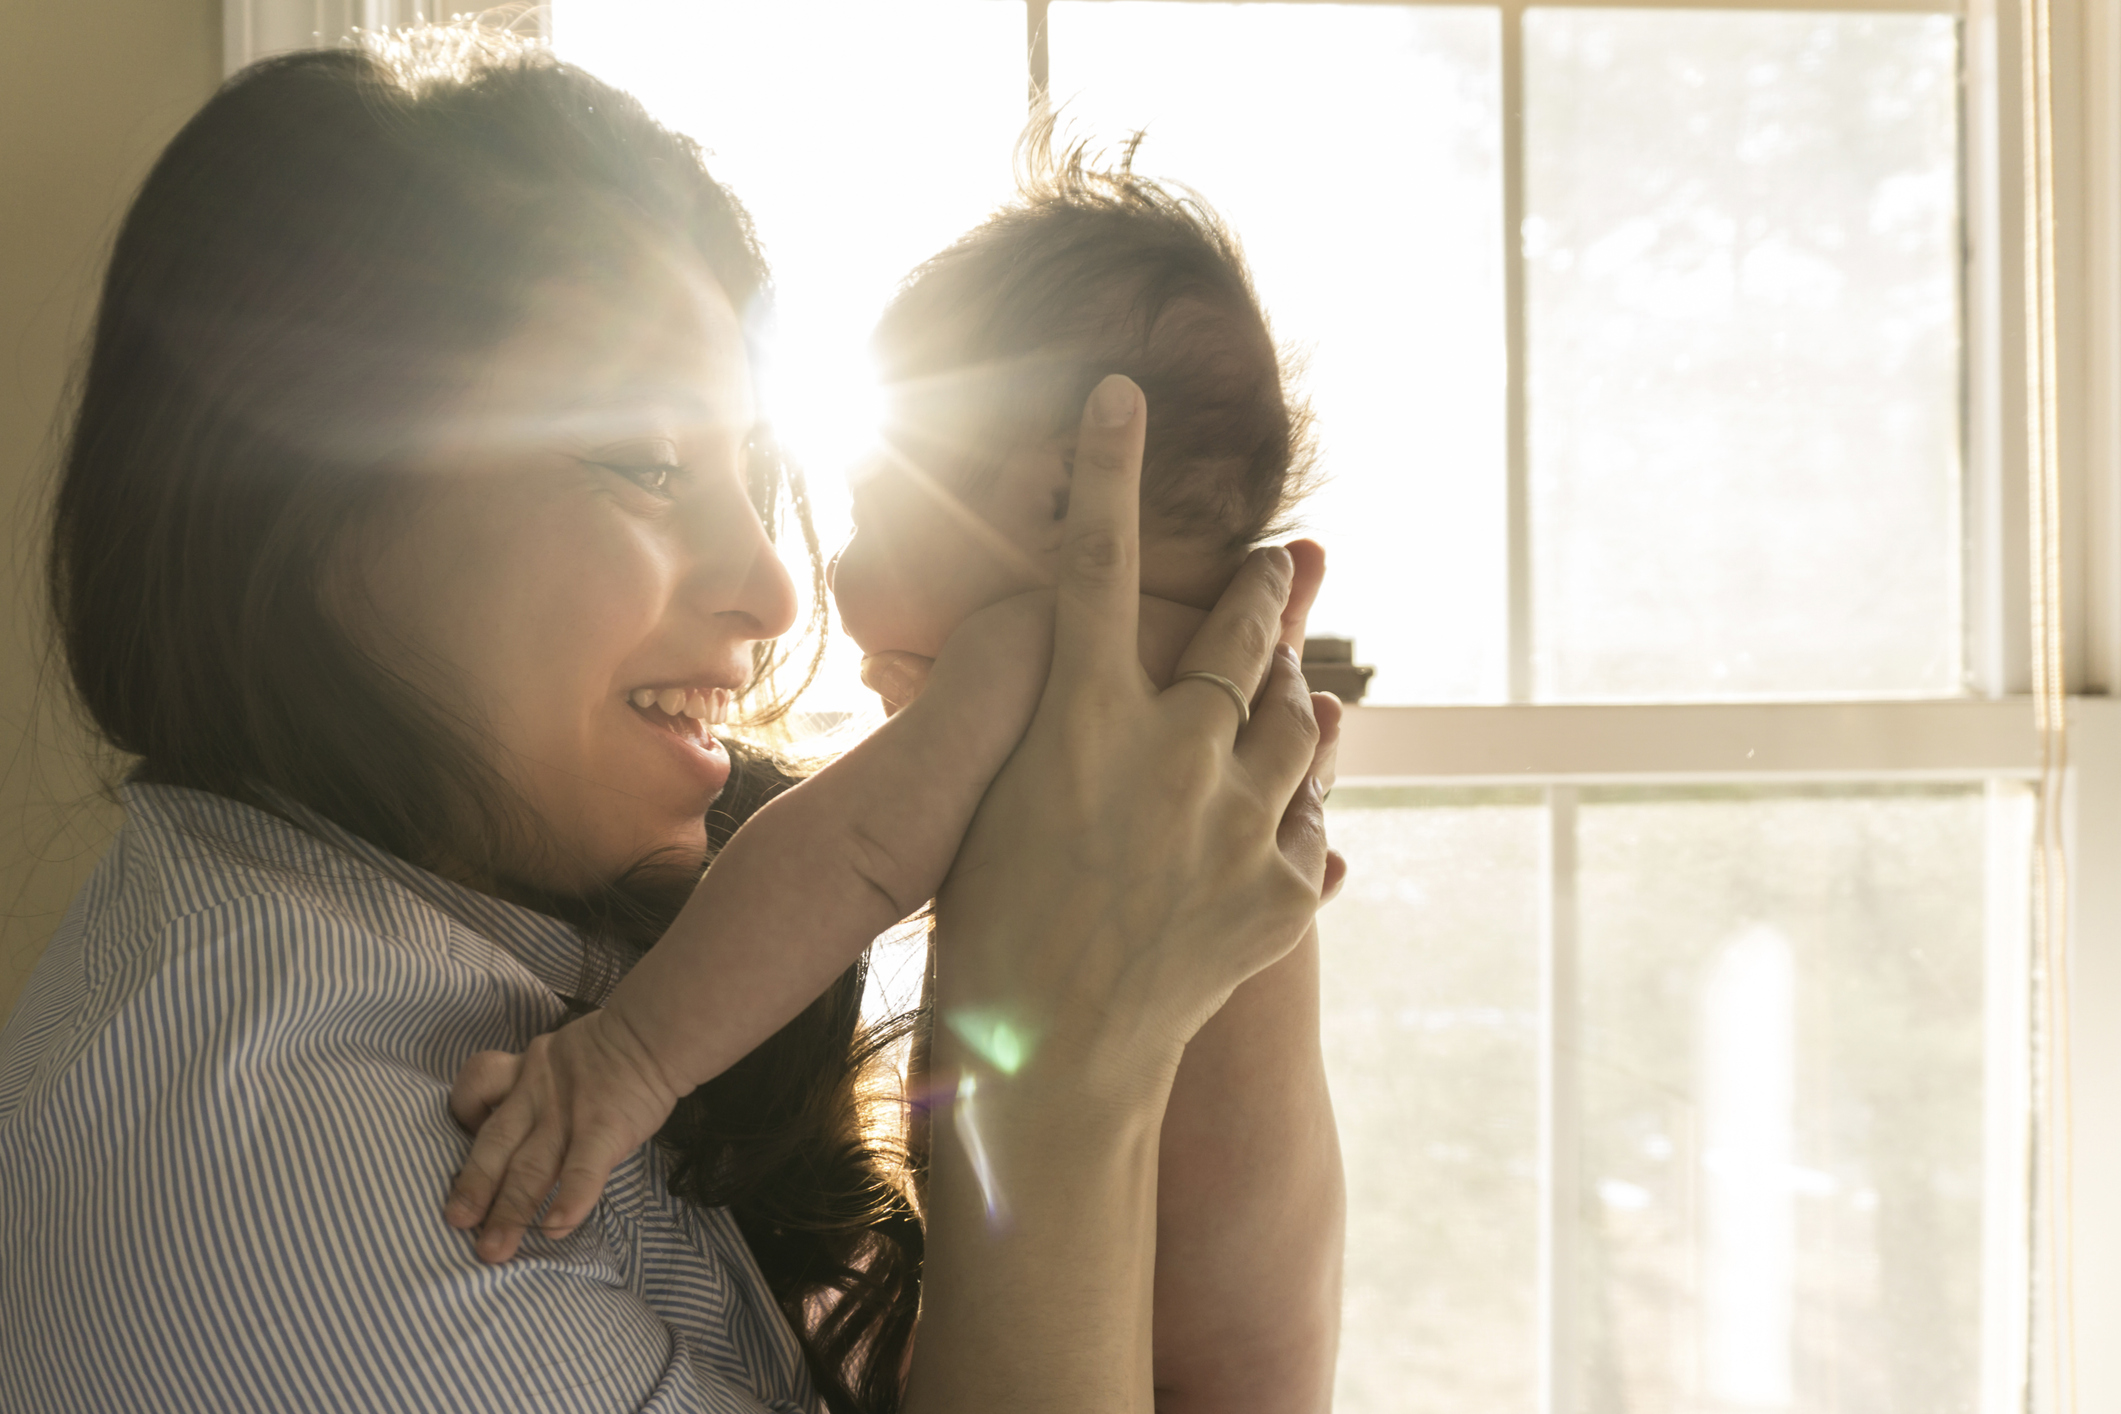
x: 1944, y: 739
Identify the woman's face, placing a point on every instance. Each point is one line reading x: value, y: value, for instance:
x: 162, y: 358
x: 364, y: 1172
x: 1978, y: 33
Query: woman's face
x: 579, y: 571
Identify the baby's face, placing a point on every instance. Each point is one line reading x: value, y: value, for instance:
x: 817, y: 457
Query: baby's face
x: 928, y: 550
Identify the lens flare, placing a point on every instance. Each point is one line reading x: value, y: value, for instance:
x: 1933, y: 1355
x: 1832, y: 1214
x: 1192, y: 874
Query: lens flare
x: 966, y: 1116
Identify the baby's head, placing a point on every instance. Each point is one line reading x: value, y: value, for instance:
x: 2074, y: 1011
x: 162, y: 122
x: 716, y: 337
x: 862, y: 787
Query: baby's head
x: 989, y: 351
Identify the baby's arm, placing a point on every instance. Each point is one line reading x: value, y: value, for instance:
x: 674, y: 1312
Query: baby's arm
x: 788, y: 904
x: 1249, y: 1196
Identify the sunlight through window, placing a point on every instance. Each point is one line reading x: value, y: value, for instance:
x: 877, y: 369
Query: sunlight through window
x: 862, y: 138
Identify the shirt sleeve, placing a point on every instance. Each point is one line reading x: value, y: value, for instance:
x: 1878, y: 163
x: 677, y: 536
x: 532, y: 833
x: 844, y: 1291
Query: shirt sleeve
x: 230, y: 1199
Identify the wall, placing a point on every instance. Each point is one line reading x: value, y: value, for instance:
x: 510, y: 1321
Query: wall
x: 90, y: 90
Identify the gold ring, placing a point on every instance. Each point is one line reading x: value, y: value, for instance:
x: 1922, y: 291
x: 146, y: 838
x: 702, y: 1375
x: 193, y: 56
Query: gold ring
x: 1237, y: 694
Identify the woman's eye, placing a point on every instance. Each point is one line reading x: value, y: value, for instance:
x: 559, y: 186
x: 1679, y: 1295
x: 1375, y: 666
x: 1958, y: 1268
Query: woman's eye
x: 653, y: 477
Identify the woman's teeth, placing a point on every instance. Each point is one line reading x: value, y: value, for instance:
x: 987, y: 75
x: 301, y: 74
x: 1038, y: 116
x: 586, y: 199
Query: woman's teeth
x: 711, y: 705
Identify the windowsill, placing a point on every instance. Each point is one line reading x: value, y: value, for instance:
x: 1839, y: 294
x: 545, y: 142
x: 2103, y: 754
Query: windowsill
x: 1902, y: 740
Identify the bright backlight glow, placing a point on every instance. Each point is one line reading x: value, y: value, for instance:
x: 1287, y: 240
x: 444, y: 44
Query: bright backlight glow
x: 862, y: 138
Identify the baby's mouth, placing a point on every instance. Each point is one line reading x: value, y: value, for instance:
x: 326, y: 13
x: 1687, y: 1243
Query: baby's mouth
x: 687, y: 711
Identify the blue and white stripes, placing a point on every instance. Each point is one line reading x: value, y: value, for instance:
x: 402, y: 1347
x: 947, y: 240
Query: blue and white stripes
x: 224, y: 1141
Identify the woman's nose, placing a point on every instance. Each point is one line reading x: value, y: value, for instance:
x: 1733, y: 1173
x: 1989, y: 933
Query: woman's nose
x: 739, y: 573
x: 767, y: 594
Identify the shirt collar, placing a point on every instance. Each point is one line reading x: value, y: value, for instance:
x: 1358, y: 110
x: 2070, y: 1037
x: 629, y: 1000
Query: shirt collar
x: 555, y: 952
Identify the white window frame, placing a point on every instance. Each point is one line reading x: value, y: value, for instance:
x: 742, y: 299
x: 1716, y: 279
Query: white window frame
x: 1987, y: 735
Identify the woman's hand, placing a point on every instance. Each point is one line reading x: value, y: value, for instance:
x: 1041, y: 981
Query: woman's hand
x: 1126, y: 871
x: 1165, y: 630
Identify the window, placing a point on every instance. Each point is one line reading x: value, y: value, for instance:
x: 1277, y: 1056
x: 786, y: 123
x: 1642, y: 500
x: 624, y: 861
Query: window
x: 1715, y: 1050
x: 1667, y: 367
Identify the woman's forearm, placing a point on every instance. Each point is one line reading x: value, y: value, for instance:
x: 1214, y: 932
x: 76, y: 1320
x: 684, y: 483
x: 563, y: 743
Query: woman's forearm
x: 1041, y: 1218
x: 1250, y: 1208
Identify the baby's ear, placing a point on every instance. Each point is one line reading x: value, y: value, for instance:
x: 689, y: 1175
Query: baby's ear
x: 1031, y: 493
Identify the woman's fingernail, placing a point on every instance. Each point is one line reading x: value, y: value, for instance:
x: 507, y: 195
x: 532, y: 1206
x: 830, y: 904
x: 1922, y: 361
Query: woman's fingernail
x: 1113, y: 402
x: 899, y: 685
x: 890, y: 677
x: 1288, y: 655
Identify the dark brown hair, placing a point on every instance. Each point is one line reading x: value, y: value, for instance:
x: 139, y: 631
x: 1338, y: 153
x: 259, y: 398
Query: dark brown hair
x: 1093, y: 271
x: 331, y: 247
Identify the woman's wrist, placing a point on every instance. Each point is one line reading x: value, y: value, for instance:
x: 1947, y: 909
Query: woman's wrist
x: 1024, y: 1087
x: 1039, y: 1277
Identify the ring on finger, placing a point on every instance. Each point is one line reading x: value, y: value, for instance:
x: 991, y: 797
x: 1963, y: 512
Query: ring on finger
x: 1237, y: 694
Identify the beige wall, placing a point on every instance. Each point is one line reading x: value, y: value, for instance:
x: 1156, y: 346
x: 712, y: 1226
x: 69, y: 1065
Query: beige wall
x: 89, y: 92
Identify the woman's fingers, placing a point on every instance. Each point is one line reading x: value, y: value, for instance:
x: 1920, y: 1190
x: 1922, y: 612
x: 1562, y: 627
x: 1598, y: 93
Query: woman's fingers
x: 1336, y: 875
x: 1280, y: 743
x: 1308, y: 571
x: 1327, y: 711
x: 1237, y: 642
x: 896, y: 677
x: 1100, y: 574
x: 1302, y: 835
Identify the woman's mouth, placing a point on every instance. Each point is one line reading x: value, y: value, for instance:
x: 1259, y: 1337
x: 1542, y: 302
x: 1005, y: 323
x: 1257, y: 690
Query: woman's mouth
x: 686, y: 711
x: 699, y: 704
x: 681, y: 717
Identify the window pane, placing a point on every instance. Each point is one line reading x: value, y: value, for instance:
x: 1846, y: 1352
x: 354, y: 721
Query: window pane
x: 862, y: 137
x: 1355, y: 149
x: 1742, y: 245
x: 1783, y: 1094
x: 1431, y: 996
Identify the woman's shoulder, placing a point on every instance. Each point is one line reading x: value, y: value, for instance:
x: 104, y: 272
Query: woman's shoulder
x: 245, y: 1096
x: 209, y: 919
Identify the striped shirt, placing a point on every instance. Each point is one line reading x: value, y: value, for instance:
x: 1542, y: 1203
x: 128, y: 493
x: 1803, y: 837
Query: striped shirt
x: 225, y: 1140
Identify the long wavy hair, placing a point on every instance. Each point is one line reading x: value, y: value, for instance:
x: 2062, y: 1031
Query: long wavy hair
x: 326, y: 253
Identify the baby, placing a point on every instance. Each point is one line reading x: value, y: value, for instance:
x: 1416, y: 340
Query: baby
x: 989, y: 349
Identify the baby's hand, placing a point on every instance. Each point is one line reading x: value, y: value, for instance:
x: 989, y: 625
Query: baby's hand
x: 567, y: 1110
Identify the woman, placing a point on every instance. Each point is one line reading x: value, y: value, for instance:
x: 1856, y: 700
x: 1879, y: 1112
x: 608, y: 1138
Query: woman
x: 416, y: 432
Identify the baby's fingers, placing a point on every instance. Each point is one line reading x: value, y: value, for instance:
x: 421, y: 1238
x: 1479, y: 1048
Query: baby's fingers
x: 483, y: 1083
x: 583, y: 1175
x: 523, y: 1191
x: 472, y: 1191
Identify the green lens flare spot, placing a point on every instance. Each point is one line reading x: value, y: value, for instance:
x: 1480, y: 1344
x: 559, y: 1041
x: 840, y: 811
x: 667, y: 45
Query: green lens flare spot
x: 995, y: 1039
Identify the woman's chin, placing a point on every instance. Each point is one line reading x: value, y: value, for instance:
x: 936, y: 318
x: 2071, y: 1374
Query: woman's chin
x: 631, y: 848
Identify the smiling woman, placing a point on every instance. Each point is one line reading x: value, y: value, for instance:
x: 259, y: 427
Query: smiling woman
x: 417, y: 440
x: 386, y: 420
x: 596, y: 578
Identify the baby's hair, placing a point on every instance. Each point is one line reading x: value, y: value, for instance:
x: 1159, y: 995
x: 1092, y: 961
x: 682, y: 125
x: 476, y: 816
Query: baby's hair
x: 1093, y: 271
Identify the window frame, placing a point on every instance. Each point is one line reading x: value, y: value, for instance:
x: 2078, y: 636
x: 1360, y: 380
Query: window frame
x: 1988, y: 734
